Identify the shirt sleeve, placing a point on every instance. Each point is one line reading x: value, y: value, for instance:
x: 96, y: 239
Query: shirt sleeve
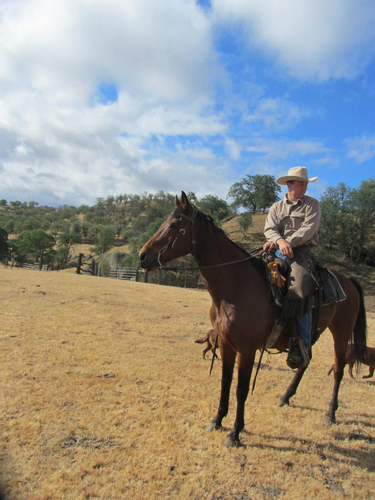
x: 271, y: 228
x: 309, y: 227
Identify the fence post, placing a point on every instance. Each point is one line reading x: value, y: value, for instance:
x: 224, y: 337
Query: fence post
x: 78, y: 271
x: 41, y: 260
x: 137, y: 274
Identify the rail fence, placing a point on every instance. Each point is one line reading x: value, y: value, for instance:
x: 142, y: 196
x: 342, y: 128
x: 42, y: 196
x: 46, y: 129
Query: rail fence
x: 123, y: 273
x: 36, y: 267
x: 183, y: 278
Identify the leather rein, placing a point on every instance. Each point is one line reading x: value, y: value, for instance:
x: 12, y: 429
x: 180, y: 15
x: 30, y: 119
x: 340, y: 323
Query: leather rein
x: 182, y: 232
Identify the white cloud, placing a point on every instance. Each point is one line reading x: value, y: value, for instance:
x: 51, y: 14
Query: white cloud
x: 161, y: 49
x: 276, y: 114
x: 362, y: 149
x: 57, y: 141
x: 178, y: 120
x: 317, y: 39
x: 234, y: 148
x: 277, y: 150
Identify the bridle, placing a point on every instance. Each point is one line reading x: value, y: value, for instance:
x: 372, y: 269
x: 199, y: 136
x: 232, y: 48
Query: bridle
x: 182, y: 232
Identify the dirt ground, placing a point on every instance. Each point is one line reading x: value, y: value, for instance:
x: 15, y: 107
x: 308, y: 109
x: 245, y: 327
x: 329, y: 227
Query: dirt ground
x: 105, y: 395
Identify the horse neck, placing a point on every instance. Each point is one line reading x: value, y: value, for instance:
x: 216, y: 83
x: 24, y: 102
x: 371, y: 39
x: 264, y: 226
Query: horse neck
x: 215, y: 249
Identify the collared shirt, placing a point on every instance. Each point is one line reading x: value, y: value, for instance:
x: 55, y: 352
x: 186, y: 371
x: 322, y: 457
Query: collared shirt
x: 296, y: 222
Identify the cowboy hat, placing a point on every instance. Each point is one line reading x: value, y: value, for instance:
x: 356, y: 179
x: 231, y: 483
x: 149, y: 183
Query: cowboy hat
x: 296, y: 174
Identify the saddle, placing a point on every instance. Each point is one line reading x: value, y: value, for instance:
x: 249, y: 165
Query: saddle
x: 327, y: 290
x: 325, y: 281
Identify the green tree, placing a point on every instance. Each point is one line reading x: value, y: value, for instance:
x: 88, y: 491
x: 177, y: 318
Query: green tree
x: 68, y: 239
x: 245, y: 221
x: 348, y: 218
x: 4, y: 246
x: 34, y: 242
x: 363, y: 200
x: 334, y: 206
x: 255, y: 192
x: 60, y: 226
x: 62, y: 256
x: 105, y: 239
x: 215, y: 207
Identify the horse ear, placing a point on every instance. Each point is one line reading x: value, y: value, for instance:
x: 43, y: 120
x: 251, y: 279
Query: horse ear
x: 184, y: 200
x: 177, y: 202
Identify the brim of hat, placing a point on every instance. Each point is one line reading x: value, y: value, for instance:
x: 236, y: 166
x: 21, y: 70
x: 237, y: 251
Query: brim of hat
x: 286, y: 178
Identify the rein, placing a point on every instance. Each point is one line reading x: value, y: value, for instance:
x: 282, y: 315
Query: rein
x: 182, y: 232
x: 252, y: 254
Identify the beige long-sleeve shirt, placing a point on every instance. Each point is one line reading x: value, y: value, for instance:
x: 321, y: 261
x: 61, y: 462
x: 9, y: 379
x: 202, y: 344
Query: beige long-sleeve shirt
x: 296, y: 222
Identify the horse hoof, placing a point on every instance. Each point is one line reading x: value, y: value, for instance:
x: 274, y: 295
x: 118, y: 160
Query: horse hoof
x: 231, y: 442
x: 282, y: 403
x: 330, y: 419
x: 213, y: 427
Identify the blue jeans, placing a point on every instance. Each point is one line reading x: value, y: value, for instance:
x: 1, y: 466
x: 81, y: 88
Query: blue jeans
x: 304, y: 321
x: 304, y: 325
x: 280, y: 255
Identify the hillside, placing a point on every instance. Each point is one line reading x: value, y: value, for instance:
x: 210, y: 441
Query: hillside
x: 134, y: 218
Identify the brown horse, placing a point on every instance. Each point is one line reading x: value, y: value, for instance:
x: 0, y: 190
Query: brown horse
x: 244, y: 313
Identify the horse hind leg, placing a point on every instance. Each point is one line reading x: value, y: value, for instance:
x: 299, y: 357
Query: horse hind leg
x: 341, y: 342
x: 330, y: 417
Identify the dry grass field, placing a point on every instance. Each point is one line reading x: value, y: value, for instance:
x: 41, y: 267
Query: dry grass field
x: 105, y: 395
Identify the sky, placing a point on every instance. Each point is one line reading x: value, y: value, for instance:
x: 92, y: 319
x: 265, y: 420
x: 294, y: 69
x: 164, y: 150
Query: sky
x: 105, y: 97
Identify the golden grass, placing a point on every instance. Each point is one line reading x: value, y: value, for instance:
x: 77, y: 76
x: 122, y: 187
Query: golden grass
x: 105, y: 395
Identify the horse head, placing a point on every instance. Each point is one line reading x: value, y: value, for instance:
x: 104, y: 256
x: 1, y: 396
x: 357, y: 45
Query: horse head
x: 173, y: 239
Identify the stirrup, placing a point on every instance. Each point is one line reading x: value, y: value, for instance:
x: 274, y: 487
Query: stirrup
x: 297, y: 342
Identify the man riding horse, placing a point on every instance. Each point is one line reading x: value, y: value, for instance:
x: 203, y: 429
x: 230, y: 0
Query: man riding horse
x: 291, y: 230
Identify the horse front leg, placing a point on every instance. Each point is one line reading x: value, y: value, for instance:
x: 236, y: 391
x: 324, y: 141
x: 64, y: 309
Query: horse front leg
x: 292, y: 389
x: 228, y: 358
x: 245, y: 367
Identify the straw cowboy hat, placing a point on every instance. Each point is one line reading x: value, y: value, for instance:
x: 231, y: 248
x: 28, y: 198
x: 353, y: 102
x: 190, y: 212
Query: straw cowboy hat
x: 296, y: 174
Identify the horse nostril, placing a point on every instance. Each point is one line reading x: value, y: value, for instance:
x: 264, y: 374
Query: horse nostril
x: 142, y: 257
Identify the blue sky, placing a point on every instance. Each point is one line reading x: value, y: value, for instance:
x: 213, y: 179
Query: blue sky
x: 109, y: 97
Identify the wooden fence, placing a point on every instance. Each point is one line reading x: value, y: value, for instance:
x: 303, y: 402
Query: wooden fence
x: 123, y: 273
x: 183, y: 278
x: 35, y: 267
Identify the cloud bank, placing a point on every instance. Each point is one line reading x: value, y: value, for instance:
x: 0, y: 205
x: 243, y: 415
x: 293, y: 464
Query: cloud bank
x: 105, y: 97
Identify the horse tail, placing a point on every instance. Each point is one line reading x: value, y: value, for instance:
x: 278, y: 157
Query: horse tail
x: 359, y: 337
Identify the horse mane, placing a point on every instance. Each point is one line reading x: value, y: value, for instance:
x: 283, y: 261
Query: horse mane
x: 208, y: 221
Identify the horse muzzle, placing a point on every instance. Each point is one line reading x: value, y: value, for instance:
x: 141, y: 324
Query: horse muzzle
x: 148, y: 262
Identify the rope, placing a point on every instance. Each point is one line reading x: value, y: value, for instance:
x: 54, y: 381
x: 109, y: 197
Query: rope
x: 252, y: 254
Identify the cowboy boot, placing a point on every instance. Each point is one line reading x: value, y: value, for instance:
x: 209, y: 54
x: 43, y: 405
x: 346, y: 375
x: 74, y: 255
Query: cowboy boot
x: 297, y: 354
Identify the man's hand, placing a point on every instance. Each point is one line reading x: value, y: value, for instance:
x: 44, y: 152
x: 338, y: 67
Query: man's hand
x: 269, y: 246
x: 285, y: 248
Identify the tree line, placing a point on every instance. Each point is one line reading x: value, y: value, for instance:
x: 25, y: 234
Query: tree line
x: 347, y: 224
